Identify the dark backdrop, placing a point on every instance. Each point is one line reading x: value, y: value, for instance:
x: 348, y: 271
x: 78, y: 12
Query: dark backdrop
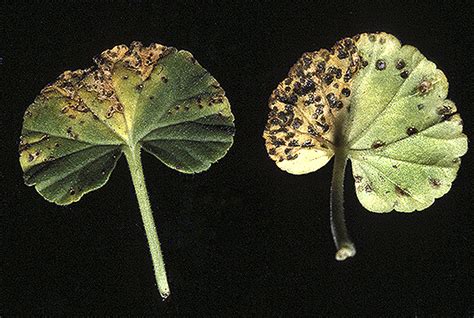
x: 243, y: 238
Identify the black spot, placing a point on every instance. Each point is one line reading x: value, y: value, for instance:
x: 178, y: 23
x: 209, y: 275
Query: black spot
x: 404, y: 74
x: 125, y: 77
x: 411, y: 131
x: 346, y: 92
x: 139, y: 87
x: 380, y: 65
x: 420, y: 106
x: 400, y: 64
x: 72, y: 191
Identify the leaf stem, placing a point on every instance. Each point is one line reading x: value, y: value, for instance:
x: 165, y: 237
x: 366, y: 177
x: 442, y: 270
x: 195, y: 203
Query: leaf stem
x: 344, y: 245
x: 136, y: 170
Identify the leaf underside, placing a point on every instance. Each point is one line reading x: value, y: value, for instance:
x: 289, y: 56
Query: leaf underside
x: 152, y: 97
x: 381, y: 103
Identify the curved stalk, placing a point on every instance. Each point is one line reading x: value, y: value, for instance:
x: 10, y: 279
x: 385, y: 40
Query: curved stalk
x: 136, y: 170
x: 344, y: 245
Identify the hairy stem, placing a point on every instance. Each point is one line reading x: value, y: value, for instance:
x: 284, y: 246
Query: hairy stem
x: 136, y: 170
x: 344, y: 245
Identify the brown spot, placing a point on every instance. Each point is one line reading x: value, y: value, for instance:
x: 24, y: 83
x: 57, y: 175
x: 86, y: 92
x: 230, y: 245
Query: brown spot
x: 424, y: 87
x: 435, y: 183
x: 368, y: 188
x: 400, y: 192
x: 358, y: 179
x: 377, y: 144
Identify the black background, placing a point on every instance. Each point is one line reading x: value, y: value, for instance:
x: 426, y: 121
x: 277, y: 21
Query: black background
x: 243, y: 238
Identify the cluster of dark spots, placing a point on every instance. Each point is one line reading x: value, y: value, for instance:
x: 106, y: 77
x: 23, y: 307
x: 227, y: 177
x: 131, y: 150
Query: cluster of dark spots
x: 272, y: 151
x: 320, y: 67
x: 380, y: 65
x: 277, y: 142
x: 411, y: 131
x: 293, y: 143
x: 24, y: 145
x: 324, y: 126
x: 312, y: 131
x: 357, y: 179
x: 377, y: 144
x: 400, y: 192
x: 291, y: 157
x: 394, y: 166
x: 307, y: 61
x: 336, y: 72
x: 446, y: 112
x: 400, y: 64
x: 328, y: 78
x: 333, y: 101
x: 305, y: 86
x: 49, y: 158
x: 291, y: 99
x: 404, y: 74
x: 435, y: 183
x: 372, y: 38
x: 307, y: 143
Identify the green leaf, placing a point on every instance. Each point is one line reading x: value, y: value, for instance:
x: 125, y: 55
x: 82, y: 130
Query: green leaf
x: 153, y: 98
x: 379, y: 104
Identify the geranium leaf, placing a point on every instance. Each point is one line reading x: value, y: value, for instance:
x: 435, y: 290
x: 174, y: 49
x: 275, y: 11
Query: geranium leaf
x: 156, y: 98
x: 379, y: 104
